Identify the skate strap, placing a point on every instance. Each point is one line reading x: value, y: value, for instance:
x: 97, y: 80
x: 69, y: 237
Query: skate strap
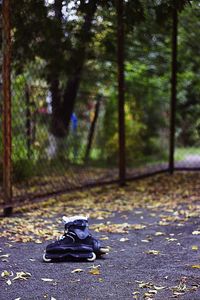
x: 96, y: 245
x: 82, y: 234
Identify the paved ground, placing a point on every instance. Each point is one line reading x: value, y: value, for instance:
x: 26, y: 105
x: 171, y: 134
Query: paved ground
x: 159, y: 261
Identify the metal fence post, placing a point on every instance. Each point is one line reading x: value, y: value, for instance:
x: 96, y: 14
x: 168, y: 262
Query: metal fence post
x: 6, y: 78
x: 173, y: 91
x: 121, y: 98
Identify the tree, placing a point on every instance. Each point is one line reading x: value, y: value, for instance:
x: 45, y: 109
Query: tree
x: 188, y: 110
x: 64, y: 40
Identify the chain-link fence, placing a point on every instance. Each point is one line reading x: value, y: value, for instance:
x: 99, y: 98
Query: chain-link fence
x: 187, y: 154
x: 65, y: 81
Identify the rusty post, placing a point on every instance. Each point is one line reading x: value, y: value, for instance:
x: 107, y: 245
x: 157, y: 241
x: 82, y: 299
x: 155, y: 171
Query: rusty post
x: 28, y: 121
x: 173, y: 91
x: 121, y: 97
x: 6, y: 81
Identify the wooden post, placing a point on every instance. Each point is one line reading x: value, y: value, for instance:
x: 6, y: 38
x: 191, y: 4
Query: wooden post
x: 6, y: 78
x: 121, y: 98
x: 173, y: 91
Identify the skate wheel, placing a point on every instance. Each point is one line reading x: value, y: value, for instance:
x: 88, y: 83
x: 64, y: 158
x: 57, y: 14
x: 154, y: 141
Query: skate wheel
x: 104, y: 250
x: 46, y: 259
x: 92, y: 258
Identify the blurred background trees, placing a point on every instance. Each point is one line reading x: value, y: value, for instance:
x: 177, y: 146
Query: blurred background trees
x: 64, y: 59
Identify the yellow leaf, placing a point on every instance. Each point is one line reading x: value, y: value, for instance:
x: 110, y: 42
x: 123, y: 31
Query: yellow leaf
x: 159, y: 233
x: 196, y: 266
x: 144, y: 285
x: 196, y: 232
x: 5, y: 273
x: 104, y: 238
x: 195, y: 248
x: 95, y: 271
x: 137, y: 226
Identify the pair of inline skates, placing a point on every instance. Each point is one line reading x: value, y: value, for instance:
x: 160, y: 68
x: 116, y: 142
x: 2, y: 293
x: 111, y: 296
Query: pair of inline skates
x: 76, y: 243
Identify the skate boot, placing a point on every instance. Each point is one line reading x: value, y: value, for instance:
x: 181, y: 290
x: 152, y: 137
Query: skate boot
x: 76, y: 243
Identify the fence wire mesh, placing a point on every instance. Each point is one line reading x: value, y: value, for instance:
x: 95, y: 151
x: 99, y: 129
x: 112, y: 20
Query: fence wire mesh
x: 187, y: 150
x: 65, y: 98
x: 58, y: 121
x: 148, y: 99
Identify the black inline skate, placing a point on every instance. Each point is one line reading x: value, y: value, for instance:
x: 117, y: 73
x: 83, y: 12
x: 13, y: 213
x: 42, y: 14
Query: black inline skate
x: 76, y: 243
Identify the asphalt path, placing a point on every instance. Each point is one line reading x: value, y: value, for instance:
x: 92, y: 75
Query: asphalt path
x: 159, y: 261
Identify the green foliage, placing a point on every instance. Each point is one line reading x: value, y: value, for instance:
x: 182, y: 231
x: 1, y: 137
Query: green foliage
x: 50, y: 47
x: 188, y: 133
x: 23, y: 170
x: 109, y: 131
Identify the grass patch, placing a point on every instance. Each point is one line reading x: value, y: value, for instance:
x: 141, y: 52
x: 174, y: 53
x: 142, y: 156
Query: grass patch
x: 182, y: 153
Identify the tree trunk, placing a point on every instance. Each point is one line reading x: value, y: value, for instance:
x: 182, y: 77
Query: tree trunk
x: 92, y: 128
x: 57, y: 127
x: 78, y: 57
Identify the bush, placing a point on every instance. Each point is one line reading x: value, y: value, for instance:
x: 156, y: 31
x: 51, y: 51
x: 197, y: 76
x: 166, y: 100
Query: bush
x: 23, y: 170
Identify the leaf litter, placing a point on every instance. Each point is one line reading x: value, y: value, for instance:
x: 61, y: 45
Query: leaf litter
x: 159, y: 193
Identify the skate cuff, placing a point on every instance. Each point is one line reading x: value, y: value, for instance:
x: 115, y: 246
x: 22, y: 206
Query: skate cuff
x: 74, y: 218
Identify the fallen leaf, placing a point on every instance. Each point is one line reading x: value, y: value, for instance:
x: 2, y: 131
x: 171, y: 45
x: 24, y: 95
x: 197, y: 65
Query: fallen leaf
x: 145, y: 285
x: 148, y: 295
x: 3, y: 256
x: 195, y: 248
x: 196, y: 266
x: 77, y: 271
x: 181, y: 288
x: 153, y: 292
x: 5, y: 273
x: 136, y: 293
x: 159, y: 233
x: 104, y: 238
x: 196, y: 232
x: 153, y: 252
x: 47, y: 279
x: 9, y: 282
x: 158, y: 288
x: 22, y: 276
x: 171, y: 239
x: 38, y: 241
x: 95, y: 271
x: 74, y: 281
x: 124, y: 240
